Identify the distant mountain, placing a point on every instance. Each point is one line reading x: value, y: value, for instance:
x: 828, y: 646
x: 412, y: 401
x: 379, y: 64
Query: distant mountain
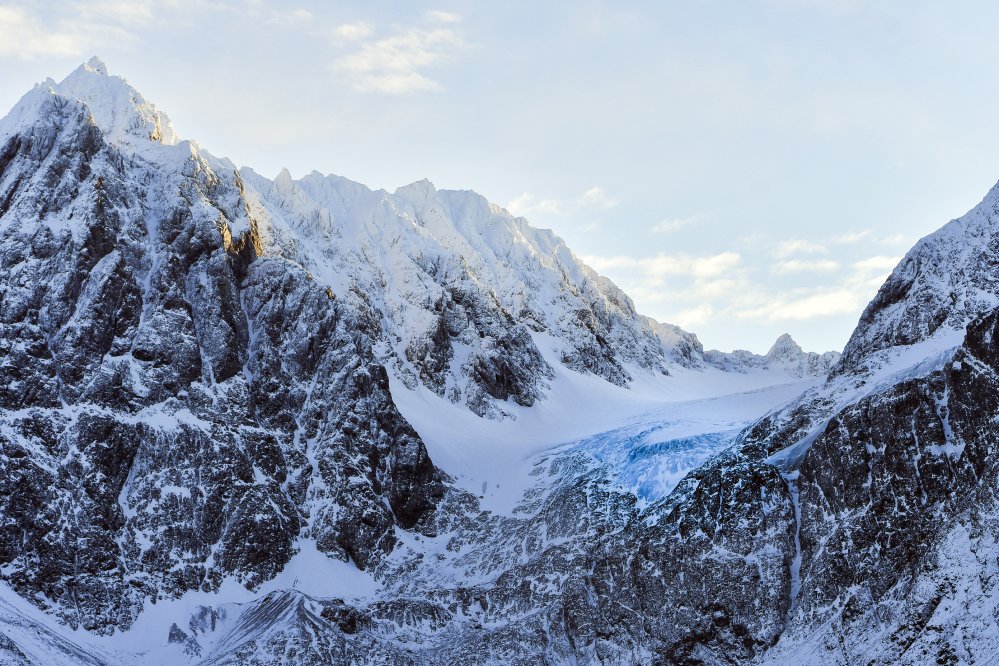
x: 785, y: 354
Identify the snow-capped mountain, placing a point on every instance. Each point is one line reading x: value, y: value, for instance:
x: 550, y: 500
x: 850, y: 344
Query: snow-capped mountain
x: 247, y: 421
x: 785, y: 354
x: 178, y: 405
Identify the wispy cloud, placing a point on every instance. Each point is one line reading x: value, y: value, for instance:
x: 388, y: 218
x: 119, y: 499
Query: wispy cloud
x: 26, y: 38
x: 799, y: 246
x: 33, y: 31
x: 896, y: 240
x: 138, y: 12
x: 398, y: 64
x: 852, y: 237
x: 801, y: 265
x: 876, y: 264
x: 662, y: 265
x: 352, y: 32
x: 848, y: 295
x: 438, y: 16
x: 72, y: 29
x: 669, y: 226
x: 528, y: 203
x: 822, y: 303
x: 593, y: 198
x: 690, y: 318
x: 290, y: 16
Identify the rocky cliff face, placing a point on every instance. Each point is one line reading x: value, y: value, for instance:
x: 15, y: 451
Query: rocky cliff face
x: 178, y: 405
x: 888, y: 468
x: 464, y: 291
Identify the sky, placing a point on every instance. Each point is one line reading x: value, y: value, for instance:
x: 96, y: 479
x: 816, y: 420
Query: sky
x: 742, y: 168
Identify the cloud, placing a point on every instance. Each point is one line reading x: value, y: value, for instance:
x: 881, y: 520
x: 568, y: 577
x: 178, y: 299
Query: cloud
x: 728, y: 287
x: 880, y: 264
x: 823, y: 303
x: 260, y: 11
x: 897, y: 239
x: 396, y: 64
x: 849, y: 295
x: 662, y: 265
x: 799, y: 265
x: 27, y: 37
x: 868, y: 234
x: 680, y: 288
x: 352, y: 32
x: 799, y: 246
x: 438, y: 16
x: 136, y: 13
x: 852, y: 237
x: 595, y: 196
x: 669, y: 226
x: 695, y: 316
x: 33, y: 31
x: 528, y: 203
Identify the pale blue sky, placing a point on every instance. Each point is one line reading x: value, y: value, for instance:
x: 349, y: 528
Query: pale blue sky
x: 741, y: 168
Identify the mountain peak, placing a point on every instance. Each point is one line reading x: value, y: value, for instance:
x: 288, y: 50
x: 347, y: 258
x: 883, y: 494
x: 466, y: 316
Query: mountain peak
x: 122, y: 114
x: 416, y: 191
x: 784, y: 347
x: 96, y: 65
